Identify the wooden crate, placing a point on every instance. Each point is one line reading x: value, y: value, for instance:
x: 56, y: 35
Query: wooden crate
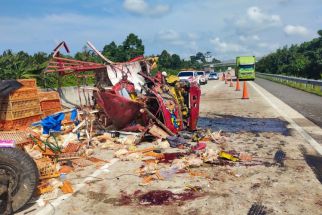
x: 45, y: 96
x: 28, y: 83
x: 8, y: 105
x: 50, y: 104
x: 19, y: 114
x: 18, y: 124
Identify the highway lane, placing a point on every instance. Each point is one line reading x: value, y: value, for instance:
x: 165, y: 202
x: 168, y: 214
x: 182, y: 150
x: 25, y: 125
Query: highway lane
x: 309, y: 105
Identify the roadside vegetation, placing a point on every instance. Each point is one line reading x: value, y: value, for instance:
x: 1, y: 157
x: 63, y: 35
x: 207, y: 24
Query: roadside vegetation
x: 301, y: 86
x: 23, y: 65
x: 304, y: 60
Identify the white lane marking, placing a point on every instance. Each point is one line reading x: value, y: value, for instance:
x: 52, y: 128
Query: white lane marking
x: 298, y: 128
x: 49, y: 208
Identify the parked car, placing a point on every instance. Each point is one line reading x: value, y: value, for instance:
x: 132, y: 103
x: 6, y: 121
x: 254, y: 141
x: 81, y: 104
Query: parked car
x: 213, y: 76
x: 207, y: 74
x: 202, y: 78
x: 190, y: 76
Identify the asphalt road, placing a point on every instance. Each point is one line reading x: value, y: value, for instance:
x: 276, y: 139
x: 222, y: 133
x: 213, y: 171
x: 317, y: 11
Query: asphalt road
x: 309, y: 105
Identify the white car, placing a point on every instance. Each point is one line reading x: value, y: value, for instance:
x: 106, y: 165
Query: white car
x: 190, y: 76
x: 202, y: 78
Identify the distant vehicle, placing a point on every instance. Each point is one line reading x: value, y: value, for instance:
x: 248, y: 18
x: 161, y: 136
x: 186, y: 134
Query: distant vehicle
x: 190, y: 76
x: 245, y: 67
x: 213, y: 76
x: 207, y: 74
x: 202, y: 78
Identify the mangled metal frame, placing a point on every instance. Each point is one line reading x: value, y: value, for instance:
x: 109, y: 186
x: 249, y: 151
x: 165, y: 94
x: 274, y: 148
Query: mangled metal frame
x: 142, y: 92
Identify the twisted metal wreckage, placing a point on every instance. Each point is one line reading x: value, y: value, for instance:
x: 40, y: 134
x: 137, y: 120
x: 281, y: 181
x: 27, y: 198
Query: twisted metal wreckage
x: 128, y: 97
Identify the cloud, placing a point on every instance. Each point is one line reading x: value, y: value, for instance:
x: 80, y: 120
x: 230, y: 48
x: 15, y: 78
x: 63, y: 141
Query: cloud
x: 254, y: 20
x: 251, y: 38
x: 296, y: 30
x: 257, y: 15
x: 268, y: 46
x: 141, y: 7
x: 192, y: 36
x: 169, y: 35
x: 225, y: 47
x: 185, y: 42
x: 284, y: 2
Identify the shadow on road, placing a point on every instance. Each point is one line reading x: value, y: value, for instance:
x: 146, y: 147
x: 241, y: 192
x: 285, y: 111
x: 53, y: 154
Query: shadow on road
x: 231, y: 123
x: 314, y: 162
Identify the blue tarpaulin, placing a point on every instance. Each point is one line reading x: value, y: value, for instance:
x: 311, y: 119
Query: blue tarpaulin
x: 53, y: 122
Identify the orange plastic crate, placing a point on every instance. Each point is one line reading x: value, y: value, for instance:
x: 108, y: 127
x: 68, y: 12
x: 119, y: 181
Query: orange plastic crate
x: 50, y: 111
x: 50, y: 104
x: 30, y: 83
x: 20, y: 137
x: 8, y: 105
x: 22, y: 93
x: 18, y: 124
x: 19, y: 114
x: 45, y: 96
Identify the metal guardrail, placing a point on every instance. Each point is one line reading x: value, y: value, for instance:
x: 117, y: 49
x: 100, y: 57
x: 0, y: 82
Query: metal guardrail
x: 305, y: 81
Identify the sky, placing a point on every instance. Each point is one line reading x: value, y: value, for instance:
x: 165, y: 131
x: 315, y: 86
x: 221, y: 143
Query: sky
x: 226, y: 28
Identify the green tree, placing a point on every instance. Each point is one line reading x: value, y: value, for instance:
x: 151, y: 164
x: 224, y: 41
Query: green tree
x: 175, y: 61
x: 304, y: 60
x: 15, y: 65
x: 133, y: 46
x: 165, y: 60
x: 200, y: 56
x: 112, y: 52
x: 320, y: 33
x: 87, y: 55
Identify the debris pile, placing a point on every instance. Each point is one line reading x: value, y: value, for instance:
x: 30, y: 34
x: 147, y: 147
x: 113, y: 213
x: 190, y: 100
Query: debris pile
x: 142, y: 118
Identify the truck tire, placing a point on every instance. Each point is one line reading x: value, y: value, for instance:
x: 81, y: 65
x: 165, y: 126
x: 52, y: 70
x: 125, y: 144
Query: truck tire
x: 24, y: 174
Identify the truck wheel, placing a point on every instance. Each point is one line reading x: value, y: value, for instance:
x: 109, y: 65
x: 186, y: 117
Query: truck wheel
x: 20, y: 170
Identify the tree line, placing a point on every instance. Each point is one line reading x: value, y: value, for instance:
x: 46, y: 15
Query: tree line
x: 23, y: 65
x: 303, y: 60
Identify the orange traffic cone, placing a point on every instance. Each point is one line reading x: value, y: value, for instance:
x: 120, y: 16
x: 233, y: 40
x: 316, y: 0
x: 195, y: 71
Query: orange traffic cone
x: 245, y: 91
x: 237, y: 85
x: 231, y: 82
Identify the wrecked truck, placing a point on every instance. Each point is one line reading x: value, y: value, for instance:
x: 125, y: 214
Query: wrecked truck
x: 129, y: 97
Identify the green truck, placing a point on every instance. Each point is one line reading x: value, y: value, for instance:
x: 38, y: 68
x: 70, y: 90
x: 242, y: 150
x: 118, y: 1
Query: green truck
x: 245, y: 67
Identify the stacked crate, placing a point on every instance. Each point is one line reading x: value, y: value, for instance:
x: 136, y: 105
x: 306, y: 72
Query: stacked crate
x: 21, y: 107
x: 49, y: 102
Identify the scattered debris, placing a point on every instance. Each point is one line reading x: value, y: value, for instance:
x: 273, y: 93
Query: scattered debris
x: 124, y: 107
x: 279, y: 157
x: 257, y: 209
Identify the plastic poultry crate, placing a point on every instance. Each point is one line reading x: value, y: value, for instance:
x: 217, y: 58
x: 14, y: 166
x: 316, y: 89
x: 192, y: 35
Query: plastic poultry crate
x: 50, y: 111
x: 22, y: 94
x: 19, y: 104
x: 45, y: 96
x: 19, y: 114
x: 30, y: 83
x: 50, y: 104
x: 18, y: 124
x: 20, y: 137
x: 47, y: 169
